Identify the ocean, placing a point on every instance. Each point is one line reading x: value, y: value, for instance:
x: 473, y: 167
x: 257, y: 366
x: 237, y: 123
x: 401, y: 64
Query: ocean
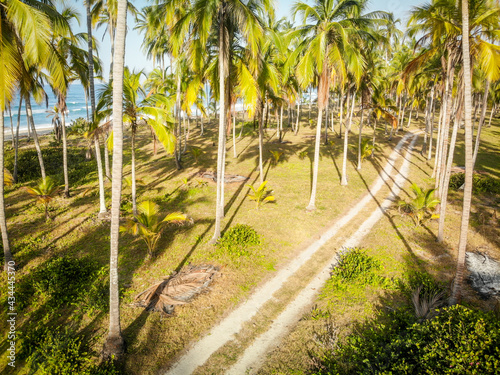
x: 43, y: 120
x: 76, y: 107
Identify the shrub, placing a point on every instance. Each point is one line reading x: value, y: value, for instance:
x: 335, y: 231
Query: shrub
x: 64, y: 279
x: 61, y: 351
x: 457, y: 341
x: 238, y: 240
x: 80, y: 170
x: 355, y: 265
x: 480, y: 183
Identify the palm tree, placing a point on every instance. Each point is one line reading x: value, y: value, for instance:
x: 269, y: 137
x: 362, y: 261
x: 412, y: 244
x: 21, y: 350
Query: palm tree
x: 220, y: 21
x: 44, y: 192
x: 114, y: 346
x: 326, y: 52
x: 153, y: 111
x: 25, y: 36
x: 464, y: 227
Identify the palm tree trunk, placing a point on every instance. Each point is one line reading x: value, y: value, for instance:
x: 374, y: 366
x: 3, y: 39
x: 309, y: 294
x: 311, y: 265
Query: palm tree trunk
x: 358, y: 167
x: 493, y: 108
x: 65, y: 152
x: 481, y: 122
x: 7, y: 255
x: 431, y: 131
x: 457, y: 286
x: 310, y: 104
x: 298, y: 116
x: 16, y: 148
x: 447, y: 173
x: 134, y: 185
x: 29, y: 114
x: 115, y: 345
x: 102, y: 201
x: 312, y: 201
x: 11, y: 126
x: 342, y: 112
x: 106, y: 161
x: 261, y: 144
x: 177, y: 132
x: 235, y: 154
x: 343, y: 181
x: 223, y: 63
x: 90, y: 59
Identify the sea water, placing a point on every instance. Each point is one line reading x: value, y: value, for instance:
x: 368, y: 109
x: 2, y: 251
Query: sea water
x: 75, y: 101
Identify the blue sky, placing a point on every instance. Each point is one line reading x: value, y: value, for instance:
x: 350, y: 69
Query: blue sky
x: 136, y: 59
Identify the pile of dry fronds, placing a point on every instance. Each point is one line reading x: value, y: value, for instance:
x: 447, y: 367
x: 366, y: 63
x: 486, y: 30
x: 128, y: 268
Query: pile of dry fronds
x: 177, y: 289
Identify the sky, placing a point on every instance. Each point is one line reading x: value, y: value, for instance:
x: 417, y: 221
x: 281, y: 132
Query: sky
x: 136, y: 59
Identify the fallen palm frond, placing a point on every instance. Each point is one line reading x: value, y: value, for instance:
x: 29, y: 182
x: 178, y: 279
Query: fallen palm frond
x: 177, y: 289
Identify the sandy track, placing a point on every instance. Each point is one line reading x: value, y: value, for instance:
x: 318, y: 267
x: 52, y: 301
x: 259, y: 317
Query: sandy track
x: 255, y: 353
x: 225, y: 331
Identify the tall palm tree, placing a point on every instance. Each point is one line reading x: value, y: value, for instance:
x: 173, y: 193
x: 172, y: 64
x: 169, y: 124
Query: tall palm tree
x: 326, y: 52
x: 115, y: 345
x: 135, y: 109
x: 464, y: 227
x: 24, y: 39
x: 221, y: 21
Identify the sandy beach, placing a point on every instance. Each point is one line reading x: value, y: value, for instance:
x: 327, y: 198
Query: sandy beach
x: 23, y: 133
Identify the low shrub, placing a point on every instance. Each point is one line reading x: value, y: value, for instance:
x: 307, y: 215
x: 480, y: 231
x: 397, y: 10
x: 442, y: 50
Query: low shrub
x: 64, y: 278
x: 480, y: 183
x: 458, y: 340
x: 61, y: 351
x: 80, y: 170
x: 238, y: 240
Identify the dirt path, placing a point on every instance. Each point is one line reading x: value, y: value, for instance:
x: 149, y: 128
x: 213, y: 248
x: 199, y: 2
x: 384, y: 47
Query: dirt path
x: 226, y: 330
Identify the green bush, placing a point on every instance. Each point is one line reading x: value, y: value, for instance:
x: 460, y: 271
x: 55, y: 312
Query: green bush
x: 60, y: 351
x: 355, y: 265
x: 238, y: 240
x: 414, y: 279
x: 79, y: 169
x: 64, y: 279
x: 457, y: 341
x: 480, y: 183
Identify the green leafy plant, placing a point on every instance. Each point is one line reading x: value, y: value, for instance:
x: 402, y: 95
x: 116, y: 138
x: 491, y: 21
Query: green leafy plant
x: 8, y: 179
x: 148, y: 225
x: 276, y: 156
x: 62, y: 351
x: 458, y: 340
x: 367, y: 148
x: 63, y: 279
x: 196, y: 152
x: 355, y: 265
x: 261, y: 195
x: 44, y: 192
x: 238, y: 240
x: 480, y: 183
x: 420, y: 207
x: 302, y: 155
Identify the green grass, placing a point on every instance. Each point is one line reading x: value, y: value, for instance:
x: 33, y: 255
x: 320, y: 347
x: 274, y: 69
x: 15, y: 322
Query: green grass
x: 152, y: 340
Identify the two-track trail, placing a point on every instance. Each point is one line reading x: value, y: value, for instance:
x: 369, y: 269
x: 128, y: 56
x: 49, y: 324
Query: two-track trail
x: 279, y: 303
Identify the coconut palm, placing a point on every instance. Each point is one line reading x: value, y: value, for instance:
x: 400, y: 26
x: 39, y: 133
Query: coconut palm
x: 148, y: 225
x: 464, y: 227
x: 221, y: 22
x: 114, y: 345
x: 25, y: 37
x: 327, y: 52
x: 137, y: 109
x: 44, y: 192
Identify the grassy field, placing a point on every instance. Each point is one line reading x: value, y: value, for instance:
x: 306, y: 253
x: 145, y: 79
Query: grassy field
x: 154, y: 340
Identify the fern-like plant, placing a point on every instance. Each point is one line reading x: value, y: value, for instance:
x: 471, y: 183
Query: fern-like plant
x: 8, y: 179
x: 276, y: 156
x: 420, y: 208
x: 44, y: 192
x: 196, y: 152
x: 302, y: 155
x: 367, y: 148
x: 261, y: 195
x: 148, y: 225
